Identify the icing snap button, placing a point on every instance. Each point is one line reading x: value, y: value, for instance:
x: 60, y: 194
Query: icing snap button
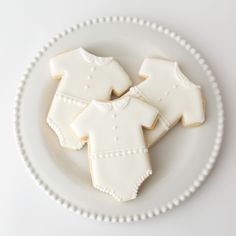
x: 93, y: 68
x: 116, y: 139
x: 167, y: 93
x: 86, y: 86
x: 114, y: 127
x: 89, y: 77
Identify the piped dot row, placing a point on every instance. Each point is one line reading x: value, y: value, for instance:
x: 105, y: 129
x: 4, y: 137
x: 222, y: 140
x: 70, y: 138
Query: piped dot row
x: 120, y: 153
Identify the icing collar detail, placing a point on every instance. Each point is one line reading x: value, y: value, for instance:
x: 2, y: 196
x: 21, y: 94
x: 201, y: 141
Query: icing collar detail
x: 182, y: 78
x: 118, y: 104
x: 91, y: 58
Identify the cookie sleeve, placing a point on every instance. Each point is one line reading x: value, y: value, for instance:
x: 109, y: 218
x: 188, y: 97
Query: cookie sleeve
x: 147, y: 114
x: 120, y: 79
x: 195, y: 113
x: 58, y: 65
x: 147, y: 67
x: 82, y: 123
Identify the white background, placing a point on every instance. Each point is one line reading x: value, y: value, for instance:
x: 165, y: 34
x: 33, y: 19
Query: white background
x: 25, y: 26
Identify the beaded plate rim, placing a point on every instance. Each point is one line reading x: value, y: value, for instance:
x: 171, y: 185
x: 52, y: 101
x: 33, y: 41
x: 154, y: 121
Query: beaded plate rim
x: 204, y: 172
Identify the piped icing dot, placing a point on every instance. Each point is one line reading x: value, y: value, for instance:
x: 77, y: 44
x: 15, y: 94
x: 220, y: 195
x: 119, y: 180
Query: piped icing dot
x: 93, y: 68
x: 114, y: 127
x: 116, y: 138
x: 167, y: 93
x: 86, y: 86
x: 117, y: 154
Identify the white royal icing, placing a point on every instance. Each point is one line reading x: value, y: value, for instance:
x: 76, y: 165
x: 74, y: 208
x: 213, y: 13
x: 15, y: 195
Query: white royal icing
x: 118, y: 155
x: 84, y: 77
x: 168, y: 89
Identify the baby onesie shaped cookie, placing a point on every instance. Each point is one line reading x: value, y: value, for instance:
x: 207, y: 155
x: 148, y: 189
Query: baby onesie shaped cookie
x: 118, y: 156
x: 84, y: 77
x: 169, y: 90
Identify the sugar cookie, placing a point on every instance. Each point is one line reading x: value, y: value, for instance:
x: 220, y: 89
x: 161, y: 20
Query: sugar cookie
x: 169, y: 90
x: 84, y: 77
x: 119, y: 160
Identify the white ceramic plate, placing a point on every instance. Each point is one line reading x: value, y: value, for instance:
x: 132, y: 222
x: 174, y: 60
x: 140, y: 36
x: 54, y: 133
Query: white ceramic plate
x: 181, y: 160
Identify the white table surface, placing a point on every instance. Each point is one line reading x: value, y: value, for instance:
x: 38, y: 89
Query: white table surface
x: 26, y: 25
